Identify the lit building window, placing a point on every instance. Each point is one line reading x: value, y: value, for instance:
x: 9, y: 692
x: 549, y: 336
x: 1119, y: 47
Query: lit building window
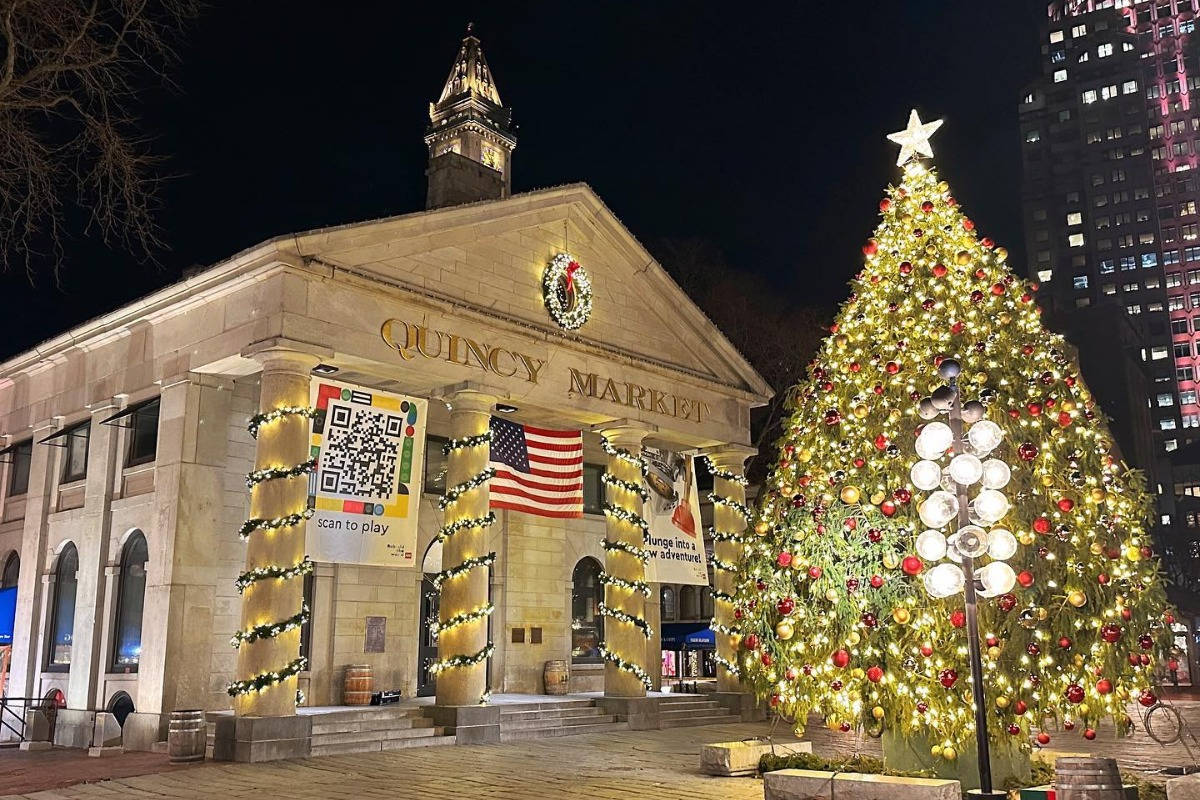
x: 1167, y: 424
x: 1075, y: 218
x: 1044, y: 275
x: 1165, y: 399
x: 1090, y: 96
x: 1075, y: 240
x: 1158, y: 353
x: 1056, y: 37
x: 1109, y: 288
x: 1133, y: 309
x: 1080, y: 282
x: 1187, y: 397
x: 1105, y: 50
x: 1032, y: 136
x: 1076, y: 32
x: 1060, y: 75
x: 1129, y: 87
x: 1191, y: 420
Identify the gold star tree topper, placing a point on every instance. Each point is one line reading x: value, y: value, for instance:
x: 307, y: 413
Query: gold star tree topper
x: 914, y: 140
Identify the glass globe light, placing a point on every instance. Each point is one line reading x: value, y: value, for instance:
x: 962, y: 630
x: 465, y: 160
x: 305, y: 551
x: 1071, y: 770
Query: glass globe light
x: 997, y: 578
x: 931, y: 545
x: 990, y: 505
x: 1002, y: 545
x: 966, y: 469
x: 984, y: 436
x: 944, y: 580
x: 925, y: 475
x: 936, y: 436
x: 938, y: 509
x: 970, y: 541
x: 995, y: 474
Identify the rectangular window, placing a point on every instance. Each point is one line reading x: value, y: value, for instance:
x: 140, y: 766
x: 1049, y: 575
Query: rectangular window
x: 1193, y: 276
x: 1108, y: 288
x: 1187, y: 398
x: 1185, y: 374
x: 1128, y: 263
x: 1179, y: 326
x: 1125, y: 240
x: 1167, y: 424
x: 1080, y: 282
x: 1118, y: 175
x: 1133, y: 309
x: 435, y: 465
x: 1170, y: 257
x: 1155, y: 132
x: 76, y: 451
x: 1189, y: 232
x: 19, y: 456
x: 1146, y: 237
x: 1171, y: 445
x: 1056, y: 37
x: 1129, y: 87
x: 1106, y: 266
x: 1132, y: 286
x: 1075, y: 240
x: 1194, y: 299
x: 1191, y: 420
x: 1182, y: 349
x: 1103, y: 223
x: 143, y: 434
x: 1175, y: 304
x: 1075, y: 218
x: 1105, y: 50
x: 593, y: 489
x: 1089, y: 96
x: 1108, y: 92
x: 1165, y: 399
x: 1187, y: 26
x: 1060, y: 75
x: 1032, y: 136
x: 1077, y: 31
x: 1158, y: 353
x: 1149, y: 260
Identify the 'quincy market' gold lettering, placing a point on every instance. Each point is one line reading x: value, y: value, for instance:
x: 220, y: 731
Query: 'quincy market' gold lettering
x: 635, y: 396
x: 411, y: 340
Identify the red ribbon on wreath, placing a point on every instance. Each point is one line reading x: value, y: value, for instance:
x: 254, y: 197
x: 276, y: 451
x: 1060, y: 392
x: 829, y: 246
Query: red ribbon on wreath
x: 572, y: 267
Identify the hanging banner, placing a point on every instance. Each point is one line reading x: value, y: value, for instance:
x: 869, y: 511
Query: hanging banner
x: 370, y: 451
x: 673, y: 511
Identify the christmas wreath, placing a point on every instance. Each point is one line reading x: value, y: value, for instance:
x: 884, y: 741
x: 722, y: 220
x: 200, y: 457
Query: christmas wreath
x: 567, y: 292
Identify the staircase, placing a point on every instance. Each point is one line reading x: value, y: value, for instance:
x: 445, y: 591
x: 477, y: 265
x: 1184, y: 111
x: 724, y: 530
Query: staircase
x: 372, y: 730
x: 555, y: 718
x: 687, y: 710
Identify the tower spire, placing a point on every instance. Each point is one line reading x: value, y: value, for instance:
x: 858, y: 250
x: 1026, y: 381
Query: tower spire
x: 470, y: 136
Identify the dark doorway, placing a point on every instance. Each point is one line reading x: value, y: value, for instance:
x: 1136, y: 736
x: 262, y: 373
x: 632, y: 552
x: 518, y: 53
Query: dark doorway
x: 121, y: 706
x: 427, y: 648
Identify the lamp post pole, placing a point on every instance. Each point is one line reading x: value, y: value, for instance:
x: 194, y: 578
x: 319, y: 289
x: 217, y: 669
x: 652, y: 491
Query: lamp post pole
x: 964, y: 519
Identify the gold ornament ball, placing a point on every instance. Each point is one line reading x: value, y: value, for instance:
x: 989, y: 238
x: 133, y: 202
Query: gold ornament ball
x: 797, y: 564
x: 1077, y: 660
x: 1047, y: 480
x: 993, y: 653
x: 806, y: 454
x: 826, y: 498
x: 949, y: 753
x: 850, y: 495
x: 894, y: 415
x: 1083, y: 709
x: 856, y: 672
x: 861, y: 411
x: 891, y: 561
x: 842, y: 341
x: 943, y: 187
x: 1096, y: 548
x: 1001, y: 702
x: 831, y: 595
x: 1004, y: 317
x: 936, y: 750
x: 1025, y: 537
x: 981, y: 378
x: 853, y: 638
x: 877, y: 712
x: 1099, y: 494
x: 1133, y: 554
x: 784, y: 630
x: 901, y: 615
x: 877, y: 498
x: 762, y: 528
x: 1001, y: 253
x: 962, y: 258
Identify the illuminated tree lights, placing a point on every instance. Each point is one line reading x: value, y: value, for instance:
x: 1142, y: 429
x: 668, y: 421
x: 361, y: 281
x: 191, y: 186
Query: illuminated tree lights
x: 831, y: 609
x: 734, y: 535
x: 623, y: 511
x: 251, y: 577
x: 452, y: 496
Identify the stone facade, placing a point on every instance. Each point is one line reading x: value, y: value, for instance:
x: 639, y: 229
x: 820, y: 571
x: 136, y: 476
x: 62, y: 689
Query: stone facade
x: 646, y: 357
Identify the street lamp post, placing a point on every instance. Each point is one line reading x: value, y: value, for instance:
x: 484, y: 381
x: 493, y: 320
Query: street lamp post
x: 951, y: 504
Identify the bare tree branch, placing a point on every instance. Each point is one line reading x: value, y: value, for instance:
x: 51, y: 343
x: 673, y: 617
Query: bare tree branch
x: 67, y: 138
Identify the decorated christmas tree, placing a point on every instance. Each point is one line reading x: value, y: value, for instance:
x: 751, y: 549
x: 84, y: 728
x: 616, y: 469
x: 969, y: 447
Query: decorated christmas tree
x: 848, y: 606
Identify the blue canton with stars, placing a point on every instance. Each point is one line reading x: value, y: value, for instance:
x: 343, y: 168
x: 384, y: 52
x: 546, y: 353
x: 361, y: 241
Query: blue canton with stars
x: 508, y: 445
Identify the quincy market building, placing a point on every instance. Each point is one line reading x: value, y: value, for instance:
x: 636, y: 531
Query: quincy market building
x: 126, y: 447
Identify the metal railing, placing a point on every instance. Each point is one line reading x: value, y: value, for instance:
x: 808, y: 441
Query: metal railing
x: 12, y: 714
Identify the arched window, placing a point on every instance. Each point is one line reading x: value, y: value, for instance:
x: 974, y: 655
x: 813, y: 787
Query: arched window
x: 121, y: 706
x: 666, y: 603
x: 687, y: 603
x: 62, y: 621
x: 131, y: 596
x: 12, y: 571
x: 706, y: 603
x: 587, y: 626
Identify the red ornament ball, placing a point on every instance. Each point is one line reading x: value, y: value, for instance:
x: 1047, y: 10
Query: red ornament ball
x: 891, y: 367
x: 1027, y: 451
x: 926, y: 650
x: 958, y: 619
x: 1065, y: 643
x: 1033, y: 648
x: 1145, y: 642
x: 927, y: 206
x: 876, y: 581
x: 1065, y: 504
x: 1075, y: 693
x: 911, y: 565
x: 791, y: 673
x: 1089, y: 734
x: 814, y: 572
x: 1148, y: 699
x: 1013, y: 729
x: 870, y: 247
x: 1041, y: 525
x: 885, y: 204
x: 1006, y: 602
x: 874, y: 535
x: 1064, y: 419
x: 1020, y: 707
x: 1043, y: 738
x: 844, y: 727
x: 948, y: 677
x: 783, y: 559
x: 1068, y: 725
x: 875, y: 674
x: 840, y: 659
x: 1110, y: 632
x: 786, y: 606
x: 889, y: 509
x: 939, y: 270
x: 767, y: 659
x: 1104, y: 686
x: 922, y: 706
x: 1025, y: 578
x: 905, y: 267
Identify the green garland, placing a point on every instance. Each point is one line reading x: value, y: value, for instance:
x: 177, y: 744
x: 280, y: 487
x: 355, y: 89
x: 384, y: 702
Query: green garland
x: 454, y: 492
x: 724, y: 566
x: 633, y: 586
x: 719, y: 565
x: 625, y: 515
x: 253, y: 576
x: 730, y: 667
x: 463, y: 618
x: 726, y: 536
x: 628, y: 666
x: 640, y: 553
x: 261, y: 523
x: 725, y: 474
x: 462, y: 569
x: 463, y: 661
x: 485, y: 521
x: 633, y: 488
x: 729, y: 502
x: 629, y: 619
x: 270, y: 630
x: 265, y: 680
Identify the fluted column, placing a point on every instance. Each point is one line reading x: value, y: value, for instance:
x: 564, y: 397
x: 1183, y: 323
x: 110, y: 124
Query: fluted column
x: 268, y: 662
x: 463, y: 613
x: 626, y: 671
x: 729, y: 525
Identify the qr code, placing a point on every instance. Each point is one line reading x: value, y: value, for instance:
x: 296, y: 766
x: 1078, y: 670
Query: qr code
x: 360, y: 453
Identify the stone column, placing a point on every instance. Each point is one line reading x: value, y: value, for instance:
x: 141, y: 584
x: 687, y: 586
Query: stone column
x: 729, y: 491
x: 31, y: 596
x: 622, y: 639
x: 87, y: 636
x: 282, y: 443
x: 470, y: 416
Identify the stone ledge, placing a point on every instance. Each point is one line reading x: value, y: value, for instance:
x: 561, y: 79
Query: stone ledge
x: 468, y: 724
x: 807, y: 784
x: 741, y: 758
x: 642, y: 713
x: 255, y: 739
x: 744, y: 704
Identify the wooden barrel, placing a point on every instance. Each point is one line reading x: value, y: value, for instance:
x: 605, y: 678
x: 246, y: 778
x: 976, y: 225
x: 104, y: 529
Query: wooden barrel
x: 187, y: 736
x: 1078, y: 778
x: 358, y: 685
x: 556, y: 676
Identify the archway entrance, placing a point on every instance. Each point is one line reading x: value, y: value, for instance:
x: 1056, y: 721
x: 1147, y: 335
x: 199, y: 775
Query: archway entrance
x: 427, y: 649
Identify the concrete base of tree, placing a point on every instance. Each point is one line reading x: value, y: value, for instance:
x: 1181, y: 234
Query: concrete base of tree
x: 1185, y: 787
x: 640, y: 712
x: 806, y: 784
x: 255, y: 739
x: 912, y: 754
x: 741, y: 758
x: 469, y: 724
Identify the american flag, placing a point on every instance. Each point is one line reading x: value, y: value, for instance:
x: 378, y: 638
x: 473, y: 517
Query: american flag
x: 538, y: 471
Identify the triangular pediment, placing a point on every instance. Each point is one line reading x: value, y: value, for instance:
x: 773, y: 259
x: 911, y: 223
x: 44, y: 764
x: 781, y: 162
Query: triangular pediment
x: 490, y: 257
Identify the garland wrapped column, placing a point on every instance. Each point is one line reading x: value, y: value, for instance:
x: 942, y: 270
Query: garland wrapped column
x: 730, y: 521
x: 464, y: 611
x: 272, y: 588
x: 626, y: 671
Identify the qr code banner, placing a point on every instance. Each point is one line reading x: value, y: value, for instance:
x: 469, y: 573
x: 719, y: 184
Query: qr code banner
x: 365, y: 493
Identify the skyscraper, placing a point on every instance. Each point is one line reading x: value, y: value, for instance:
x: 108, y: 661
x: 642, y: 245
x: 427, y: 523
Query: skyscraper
x: 1112, y: 229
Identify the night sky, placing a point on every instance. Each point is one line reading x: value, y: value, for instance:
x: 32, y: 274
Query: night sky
x: 758, y: 125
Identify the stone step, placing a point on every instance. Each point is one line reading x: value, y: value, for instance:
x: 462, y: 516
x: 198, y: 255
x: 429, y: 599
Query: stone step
x: 378, y: 746
x: 554, y: 713
x: 698, y: 705
x: 546, y: 705
x: 541, y: 724
x: 321, y: 725
x: 693, y: 720
x: 367, y: 713
x: 561, y: 730
x: 374, y: 736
